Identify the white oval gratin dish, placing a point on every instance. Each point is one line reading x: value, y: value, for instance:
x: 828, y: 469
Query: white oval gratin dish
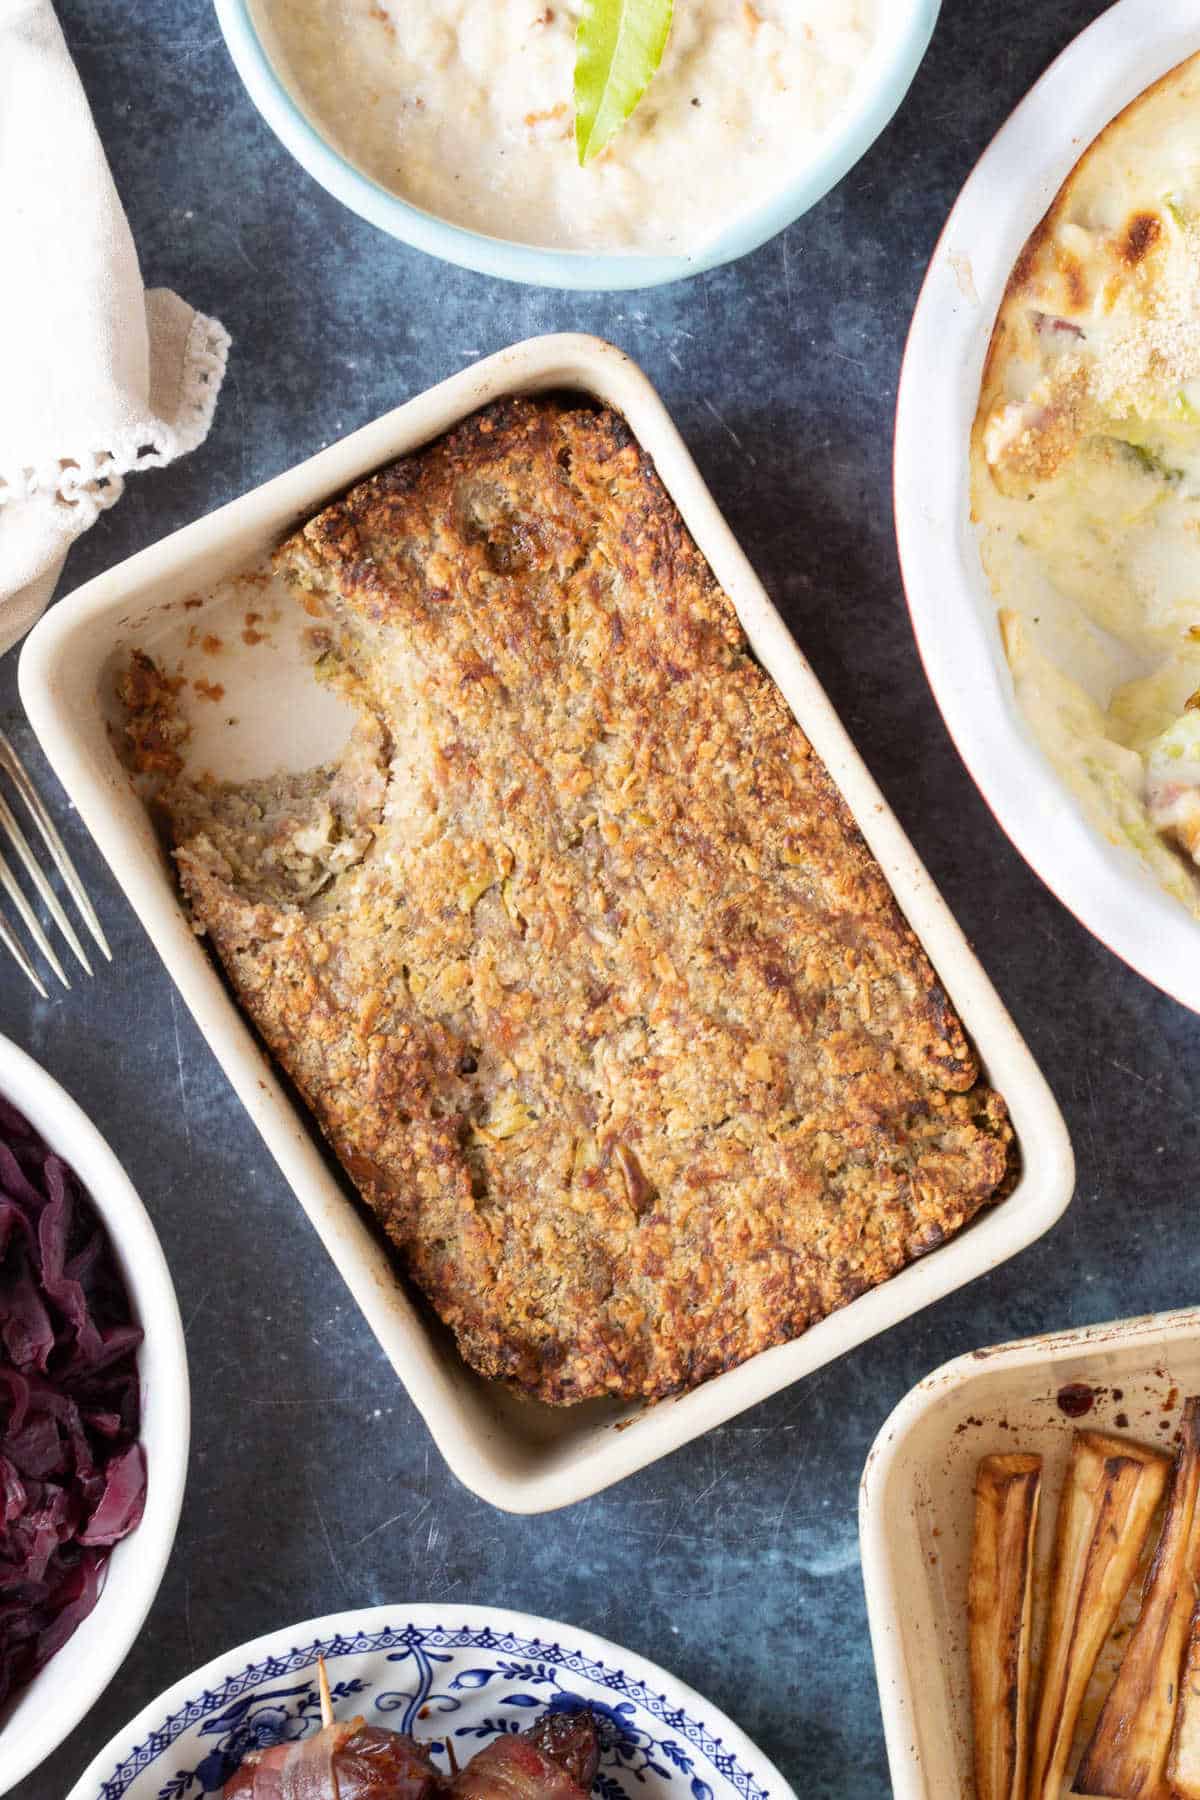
x: 953, y: 610
x: 43, y: 1714
x: 515, y: 1454
x: 916, y: 1510
x: 456, y: 1673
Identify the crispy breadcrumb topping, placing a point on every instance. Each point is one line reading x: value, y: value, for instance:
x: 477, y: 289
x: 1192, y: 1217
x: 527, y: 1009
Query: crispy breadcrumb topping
x: 610, y: 1015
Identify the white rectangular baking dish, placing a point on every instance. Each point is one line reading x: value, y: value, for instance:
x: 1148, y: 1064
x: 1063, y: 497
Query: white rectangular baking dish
x: 518, y: 1455
x: 916, y: 1510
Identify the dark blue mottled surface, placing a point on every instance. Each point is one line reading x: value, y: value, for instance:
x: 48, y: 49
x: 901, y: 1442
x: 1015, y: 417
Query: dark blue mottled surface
x: 313, y: 1484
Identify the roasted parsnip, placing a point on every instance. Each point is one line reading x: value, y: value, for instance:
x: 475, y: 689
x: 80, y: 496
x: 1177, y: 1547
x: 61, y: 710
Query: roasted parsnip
x: 1127, y: 1755
x: 1000, y: 1608
x: 1183, y: 1770
x: 1112, y: 1489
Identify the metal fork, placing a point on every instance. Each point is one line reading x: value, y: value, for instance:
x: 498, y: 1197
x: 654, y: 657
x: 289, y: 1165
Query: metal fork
x: 10, y: 764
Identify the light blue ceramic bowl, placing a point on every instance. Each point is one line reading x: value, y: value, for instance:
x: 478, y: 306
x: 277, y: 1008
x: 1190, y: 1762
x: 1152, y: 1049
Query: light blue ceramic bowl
x: 905, y: 29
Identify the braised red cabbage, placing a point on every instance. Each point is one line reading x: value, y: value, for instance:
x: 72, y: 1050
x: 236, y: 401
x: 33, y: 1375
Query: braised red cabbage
x: 72, y: 1472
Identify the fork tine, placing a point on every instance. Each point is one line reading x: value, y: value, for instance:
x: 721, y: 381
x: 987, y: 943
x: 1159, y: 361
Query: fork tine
x: 11, y: 762
x: 19, y: 957
x: 30, y: 920
x: 33, y: 868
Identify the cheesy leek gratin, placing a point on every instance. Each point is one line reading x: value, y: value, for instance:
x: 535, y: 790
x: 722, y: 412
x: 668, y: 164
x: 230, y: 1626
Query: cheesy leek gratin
x: 1086, y: 480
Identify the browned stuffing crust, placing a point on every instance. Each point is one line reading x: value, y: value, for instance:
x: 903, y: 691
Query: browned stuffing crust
x: 616, y: 1025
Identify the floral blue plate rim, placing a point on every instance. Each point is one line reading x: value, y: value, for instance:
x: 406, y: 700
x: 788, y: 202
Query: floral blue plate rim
x: 464, y: 1673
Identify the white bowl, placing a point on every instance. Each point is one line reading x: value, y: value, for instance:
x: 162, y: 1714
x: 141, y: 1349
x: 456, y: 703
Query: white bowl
x: 457, y: 1672
x: 512, y: 1452
x: 43, y: 1714
x: 953, y: 609
x: 916, y: 1511
x: 905, y: 28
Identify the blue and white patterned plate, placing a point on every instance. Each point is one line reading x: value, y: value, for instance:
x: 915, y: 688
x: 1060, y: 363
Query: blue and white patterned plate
x: 464, y: 1673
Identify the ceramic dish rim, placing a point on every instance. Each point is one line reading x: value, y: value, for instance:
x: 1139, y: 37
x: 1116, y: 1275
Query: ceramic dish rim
x: 570, y: 269
x: 79, y: 624
x: 137, y: 1566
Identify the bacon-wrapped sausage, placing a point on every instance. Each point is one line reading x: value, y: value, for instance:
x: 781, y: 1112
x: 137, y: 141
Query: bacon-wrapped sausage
x: 555, y: 1760
x: 344, y: 1762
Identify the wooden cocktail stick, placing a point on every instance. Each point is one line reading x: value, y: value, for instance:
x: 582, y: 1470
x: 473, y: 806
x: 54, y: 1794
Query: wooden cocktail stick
x: 326, y: 1696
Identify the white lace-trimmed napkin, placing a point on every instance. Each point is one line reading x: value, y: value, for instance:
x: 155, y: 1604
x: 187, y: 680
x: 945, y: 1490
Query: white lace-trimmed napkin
x: 98, y: 377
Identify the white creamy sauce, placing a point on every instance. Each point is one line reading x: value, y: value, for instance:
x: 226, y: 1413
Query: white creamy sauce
x: 464, y: 107
x: 1099, y: 584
